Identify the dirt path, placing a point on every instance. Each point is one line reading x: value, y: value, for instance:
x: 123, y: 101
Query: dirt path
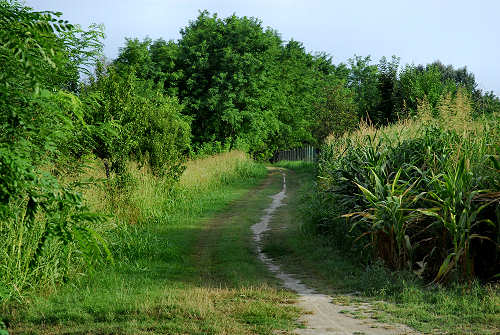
x: 324, y: 317
x: 205, y: 253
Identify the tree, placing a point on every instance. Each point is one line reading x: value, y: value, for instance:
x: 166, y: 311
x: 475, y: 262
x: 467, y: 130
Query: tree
x: 294, y: 90
x: 487, y: 103
x: 387, y: 78
x: 460, y: 76
x: 418, y: 82
x: 239, y: 83
x: 164, y: 56
x: 129, y: 118
x: 337, y: 114
x: 223, y: 64
x: 364, y: 81
x: 84, y: 48
x: 135, y: 56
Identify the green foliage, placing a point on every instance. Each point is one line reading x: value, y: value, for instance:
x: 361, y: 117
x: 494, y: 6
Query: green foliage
x: 460, y: 76
x: 337, y: 115
x: 423, y: 201
x: 29, y: 44
x: 83, y: 47
x: 3, y: 328
x: 151, y: 60
x: 129, y: 119
x: 387, y: 81
x: 239, y: 82
x: 385, y: 93
x: 242, y: 85
x: 363, y: 80
x: 135, y: 55
x: 47, y: 231
x: 34, y: 123
x: 223, y: 64
x: 164, y: 134
x: 415, y: 84
x: 297, y: 89
x: 487, y: 104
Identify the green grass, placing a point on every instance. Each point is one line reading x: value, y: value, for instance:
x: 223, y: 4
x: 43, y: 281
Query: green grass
x: 395, y: 296
x: 299, y: 166
x: 187, y: 267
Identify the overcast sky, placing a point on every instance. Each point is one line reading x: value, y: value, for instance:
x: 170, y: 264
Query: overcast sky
x: 454, y: 31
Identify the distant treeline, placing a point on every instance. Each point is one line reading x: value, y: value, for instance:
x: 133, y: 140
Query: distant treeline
x: 242, y: 85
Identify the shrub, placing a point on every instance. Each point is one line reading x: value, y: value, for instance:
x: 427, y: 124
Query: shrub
x: 44, y: 225
x: 129, y: 119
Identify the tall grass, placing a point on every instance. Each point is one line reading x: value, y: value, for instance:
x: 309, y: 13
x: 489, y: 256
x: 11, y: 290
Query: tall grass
x: 205, y: 173
x: 421, y: 195
x: 18, y: 245
x: 128, y: 201
x: 139, y: 196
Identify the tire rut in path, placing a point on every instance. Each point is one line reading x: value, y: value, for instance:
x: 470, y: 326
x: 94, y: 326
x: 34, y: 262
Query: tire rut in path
x: 209, y: 237
x: 325, y: 317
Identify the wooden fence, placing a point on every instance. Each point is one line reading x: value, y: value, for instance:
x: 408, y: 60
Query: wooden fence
x: 307, y: 153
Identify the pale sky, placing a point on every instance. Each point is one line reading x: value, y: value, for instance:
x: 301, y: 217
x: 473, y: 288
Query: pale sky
x: 456, y: 32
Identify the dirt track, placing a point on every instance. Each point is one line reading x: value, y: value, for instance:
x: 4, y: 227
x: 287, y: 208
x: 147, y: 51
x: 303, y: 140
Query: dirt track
x: 324, y: 316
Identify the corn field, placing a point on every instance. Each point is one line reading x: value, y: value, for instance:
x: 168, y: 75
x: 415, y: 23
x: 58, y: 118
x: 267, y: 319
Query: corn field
x: 420, y: 195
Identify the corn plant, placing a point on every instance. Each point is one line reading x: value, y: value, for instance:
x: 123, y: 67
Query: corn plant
x: 453, y: 194
x: 425, y: 199
x: 388, y: 217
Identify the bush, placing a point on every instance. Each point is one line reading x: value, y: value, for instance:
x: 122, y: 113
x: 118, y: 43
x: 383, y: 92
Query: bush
x: 44, y: 225
x: 129, y: 119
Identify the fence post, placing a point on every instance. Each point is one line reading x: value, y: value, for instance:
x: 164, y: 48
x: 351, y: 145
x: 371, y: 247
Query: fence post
x: 306, y: 153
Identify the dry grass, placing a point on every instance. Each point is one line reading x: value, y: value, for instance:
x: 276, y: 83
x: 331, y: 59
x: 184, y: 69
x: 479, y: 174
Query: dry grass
x: 207, y: 171
x: 140, y: 195
x: 452, y: 113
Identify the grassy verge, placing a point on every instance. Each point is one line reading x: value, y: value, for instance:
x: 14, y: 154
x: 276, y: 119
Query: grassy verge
x: 185, y: 265
x: 395, y: 297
